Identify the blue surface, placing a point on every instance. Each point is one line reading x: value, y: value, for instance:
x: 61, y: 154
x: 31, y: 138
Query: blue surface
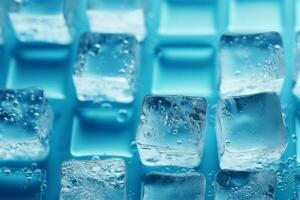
x: 185, y: 32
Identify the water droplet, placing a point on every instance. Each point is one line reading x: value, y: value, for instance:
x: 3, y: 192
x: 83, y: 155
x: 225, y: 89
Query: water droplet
x: 179, y: 142
x: 96, y: 157
x: 294, y: 138
x: 43, y: 187
x: 237, y: 72
x: 106, y: 105
x: 175, y: 132
x: 148, y: 134
x: 6, y: 171
x: 277, y: 46
x: 34, y: 165
x: 37, y: 172
x: 122, y: 115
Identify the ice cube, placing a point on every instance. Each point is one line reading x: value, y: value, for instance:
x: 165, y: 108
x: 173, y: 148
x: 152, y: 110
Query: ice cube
x: 251, y: 63
x: 250, y: 131
x: 93, y: 180
x: 245, y: 185
x: 106, y: 66
x: 117, y: 17
x: 166, y: 186
x: 171, y: 130
x: 35, y: 21
x: 25, y: 123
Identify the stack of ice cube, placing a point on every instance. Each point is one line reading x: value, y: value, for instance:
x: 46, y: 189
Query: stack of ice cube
x: 171, y: 130
x: 25, y: 124
x: 251, y: 133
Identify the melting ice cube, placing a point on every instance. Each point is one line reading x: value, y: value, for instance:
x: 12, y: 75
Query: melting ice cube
x: 106, y: 67
x: 25, y: 124
x: 250, y: 131
x: 251, y: 63
x: 171, y: 130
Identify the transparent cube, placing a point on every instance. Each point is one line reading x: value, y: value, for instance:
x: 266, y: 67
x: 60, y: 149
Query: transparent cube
x: 245, y: 185
x: 250, y: 131
x: 106, y: 66
x: 166, y: 186
x: 121, y: 16
x: 25, y: 124
x: 93, y: 180
x: 251, y: 63
x: 171, y: 130
x: 38, y: 21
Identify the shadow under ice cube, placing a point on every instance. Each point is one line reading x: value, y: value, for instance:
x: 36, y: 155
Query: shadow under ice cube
x: 232, y: 185
x: 93, y: 180
x: 166, y: 186
x: 250, y: 131
x: 106, y: 67
x: 25, y: 123
x: 171, y: 130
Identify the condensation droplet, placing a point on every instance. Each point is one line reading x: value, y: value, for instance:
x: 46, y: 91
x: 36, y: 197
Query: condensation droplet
x: 122, y: 115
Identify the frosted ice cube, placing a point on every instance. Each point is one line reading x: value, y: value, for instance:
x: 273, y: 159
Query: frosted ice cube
x: 106, y: 67
x: 171, y: 130
x: 165, y: 186
x: 251, y: 63
x: 245, y: 185
x: 93, y: 180
x: 25, y: 123
x: 116, y: 17
x: 250, y: 131
x: 32, y: 22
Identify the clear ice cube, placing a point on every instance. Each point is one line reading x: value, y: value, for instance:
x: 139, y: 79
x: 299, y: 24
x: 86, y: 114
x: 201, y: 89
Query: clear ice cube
x: 34, y: 21
x: 250, y: 131
x: 165, y: 186
x: 121, y: 16
x: 106, y: 66
x: 171, y: 130
x: 232, y: 185
x: 25, y: 123
x: 93, y: 180
x: 251, y: 63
